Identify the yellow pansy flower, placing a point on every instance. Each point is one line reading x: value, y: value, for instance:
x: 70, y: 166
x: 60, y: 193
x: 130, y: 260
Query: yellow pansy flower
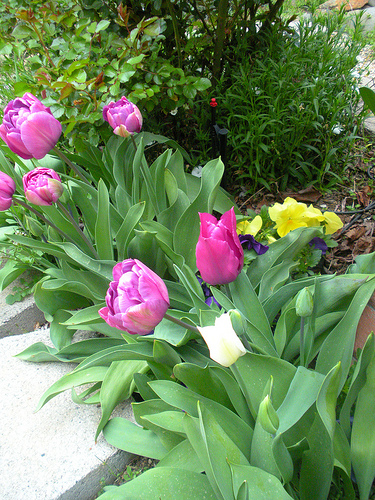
x: 333, y: 222
x: 253, y: 227
x: 288, y: 216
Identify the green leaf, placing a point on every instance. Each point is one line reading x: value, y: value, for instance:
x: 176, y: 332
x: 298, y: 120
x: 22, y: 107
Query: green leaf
x: 339, y: 345
x: 72, y: 379
x: 255, y: 371
x: 363, y: 438
x: 368, y: 96
x: 50, y: 301
x: 59, y: 334
x: 117, y: 386
x: 261, y: 484
x: 129, y: 437
x: 187, y: 228
x: 103, y: 236
x: 186, y: 400
x: 246, y: 301
x: 126, y: 231
x: 169, y: 482
x: 214, y: 449
x: 182, y: 456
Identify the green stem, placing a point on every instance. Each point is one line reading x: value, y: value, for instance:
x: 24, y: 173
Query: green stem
x: 78, y: 229
x: 302, y: 343
x: 181, y: 323
x: 70, y: 164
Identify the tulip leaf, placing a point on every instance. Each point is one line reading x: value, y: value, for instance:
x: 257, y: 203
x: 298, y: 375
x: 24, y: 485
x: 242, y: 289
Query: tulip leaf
x: 139, y: 351
x: 363, y: 264
x: 101, y: 267
x: 302, y: 394
x: 70, y: 380
x: 186, y: 400
x: 203, y: 381
x: 261, y: 484
x: 358, y: 380
x: 247, y: 302
x: 274, y: 278
x: 38, y: 353
x: 182, y: 456
x: 192, y: 286
x: 50, y: 301
x: 48, y: 248
x: 170, y: 482
x: 362, y: 437
x: 145, y: 248
x: 276, y: 301
x: 144, y: 413
x: 339, y: 345
x: 157, y: 176
x: 103, y: 236
x: 129, y: 437
x: 117, y: 386
x: 59, y: 333
x: 214, y: 449
x: 126, y: 231
x: 255, y: 371
x: 165, y: 354
x: 70, y: 286
x: 86, y: 315
x: 318, y: 462
x: 187, y: 228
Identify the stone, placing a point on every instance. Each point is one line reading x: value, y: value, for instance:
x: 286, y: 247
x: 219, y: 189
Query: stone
x: 348, y: 4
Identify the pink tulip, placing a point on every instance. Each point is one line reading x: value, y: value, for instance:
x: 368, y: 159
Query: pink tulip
x: 42, y: 186
x: 136, y: 300
x: 219, y: 252
x: 29, y: 128
x: 123, y: 116
x: 7, y: 189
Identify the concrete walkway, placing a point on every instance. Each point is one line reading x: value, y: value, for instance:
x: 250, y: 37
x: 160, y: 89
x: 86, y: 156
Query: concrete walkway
x: 49, y: 455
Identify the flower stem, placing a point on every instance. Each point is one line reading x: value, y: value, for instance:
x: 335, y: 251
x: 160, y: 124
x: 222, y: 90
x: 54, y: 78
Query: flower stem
x: 70, y: 164
x: 78, y: 229
x: 181, y: 323
x: 302, y: 343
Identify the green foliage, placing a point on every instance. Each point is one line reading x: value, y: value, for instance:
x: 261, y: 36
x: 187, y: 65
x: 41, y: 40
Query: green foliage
x: 289, y: 105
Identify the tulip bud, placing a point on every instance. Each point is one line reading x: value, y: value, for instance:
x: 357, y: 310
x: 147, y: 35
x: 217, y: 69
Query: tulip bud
x: 238, y: 321
x: 29, y: 128
x: 267, y: 416
x: 136, y: 300
x: 42, y: 186
x: 7, y: 189
x: 304, y: 303
x: 224, y: 345
x: 123, y: 116
x: 219, y: 253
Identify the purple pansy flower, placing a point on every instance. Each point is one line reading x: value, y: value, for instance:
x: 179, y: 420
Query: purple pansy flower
x: 318, y: 244
x: 251, y: 243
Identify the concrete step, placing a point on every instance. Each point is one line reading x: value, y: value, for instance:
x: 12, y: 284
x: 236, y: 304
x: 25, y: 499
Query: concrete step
x: 49, y: 455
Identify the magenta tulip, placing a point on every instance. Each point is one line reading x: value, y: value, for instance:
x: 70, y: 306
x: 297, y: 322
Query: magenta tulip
x: 42, y: 186
x: 123, y: 116
x: 219, y: 252
x: 29, y: 128
x: 7, y: 189
x: 136, y: 300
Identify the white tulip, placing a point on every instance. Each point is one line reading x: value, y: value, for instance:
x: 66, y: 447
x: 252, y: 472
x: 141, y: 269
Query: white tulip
x: 224, y: 345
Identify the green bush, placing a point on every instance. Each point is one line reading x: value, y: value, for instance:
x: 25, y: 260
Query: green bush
x: 290, y: 107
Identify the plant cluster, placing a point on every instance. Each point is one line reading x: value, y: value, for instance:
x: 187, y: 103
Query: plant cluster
x: 243, y: 374
x: 291, y: 104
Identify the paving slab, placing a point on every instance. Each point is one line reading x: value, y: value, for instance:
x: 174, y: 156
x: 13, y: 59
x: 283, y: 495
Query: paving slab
x: 20, y: 317
x: 51, y: 454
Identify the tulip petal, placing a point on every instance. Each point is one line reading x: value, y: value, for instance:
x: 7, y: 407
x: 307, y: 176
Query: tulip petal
x: 14, y: 142
x: 40, y: 133
x: 216, y: 262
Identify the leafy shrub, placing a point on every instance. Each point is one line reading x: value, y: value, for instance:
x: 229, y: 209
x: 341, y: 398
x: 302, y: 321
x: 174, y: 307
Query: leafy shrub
x: 290, y: 107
